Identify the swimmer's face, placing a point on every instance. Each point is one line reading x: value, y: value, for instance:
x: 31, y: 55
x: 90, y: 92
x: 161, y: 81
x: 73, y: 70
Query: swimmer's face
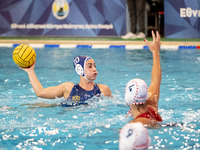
x: 90, y: 69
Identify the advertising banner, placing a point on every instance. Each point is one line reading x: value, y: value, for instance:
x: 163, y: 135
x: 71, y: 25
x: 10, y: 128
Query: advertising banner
x: 63, y: 17
x: 182, y: 18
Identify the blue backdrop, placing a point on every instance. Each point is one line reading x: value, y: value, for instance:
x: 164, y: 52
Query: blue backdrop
x: 63, y: 17
x: 182, y: 18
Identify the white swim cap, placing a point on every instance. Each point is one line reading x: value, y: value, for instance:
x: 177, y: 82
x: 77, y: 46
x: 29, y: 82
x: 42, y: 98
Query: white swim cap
x: 136, y: 92
x: 134, y: 136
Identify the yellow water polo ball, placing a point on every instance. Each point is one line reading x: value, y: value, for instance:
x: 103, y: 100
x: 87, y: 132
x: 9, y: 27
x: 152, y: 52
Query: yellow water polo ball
x: 24, y: 55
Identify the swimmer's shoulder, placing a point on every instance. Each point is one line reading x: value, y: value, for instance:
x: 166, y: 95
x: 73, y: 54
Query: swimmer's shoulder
x: 153, y: 95
x: 67, y: 87
x: 152, y: 100
x: 150, y: 122
x: 105, y: 90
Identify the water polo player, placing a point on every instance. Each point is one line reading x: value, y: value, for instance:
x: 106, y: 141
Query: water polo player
x: 143, y: 101
x: 76, y: 94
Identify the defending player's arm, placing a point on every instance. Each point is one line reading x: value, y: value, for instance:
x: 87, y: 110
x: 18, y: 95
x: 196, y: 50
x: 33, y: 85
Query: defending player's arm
x: 154, y: 88
x: 50, y: 92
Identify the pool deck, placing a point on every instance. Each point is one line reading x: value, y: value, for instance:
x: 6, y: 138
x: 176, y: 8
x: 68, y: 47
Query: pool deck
x: 90, y: 42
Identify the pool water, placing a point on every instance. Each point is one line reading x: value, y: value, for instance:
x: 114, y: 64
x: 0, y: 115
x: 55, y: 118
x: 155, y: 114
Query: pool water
x: 97, y: 125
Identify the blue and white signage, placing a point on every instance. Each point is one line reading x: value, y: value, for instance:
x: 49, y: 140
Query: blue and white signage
x: 63, y: 17
x: 182, y: 18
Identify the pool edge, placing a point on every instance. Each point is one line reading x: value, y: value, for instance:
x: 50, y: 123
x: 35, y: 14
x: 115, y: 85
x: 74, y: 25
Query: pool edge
x: 129, y: 45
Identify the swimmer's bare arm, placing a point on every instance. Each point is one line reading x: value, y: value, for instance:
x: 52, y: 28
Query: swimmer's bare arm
x: 154, y: 88
x: 105, y: 90
x: 50, y: 92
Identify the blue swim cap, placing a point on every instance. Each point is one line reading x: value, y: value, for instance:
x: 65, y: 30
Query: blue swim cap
x: 79, y: 64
